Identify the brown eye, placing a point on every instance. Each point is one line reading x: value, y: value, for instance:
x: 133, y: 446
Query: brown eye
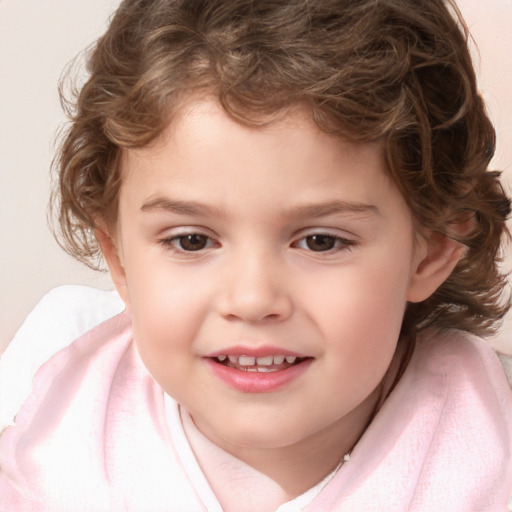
x: 192, y: 242
x: 319, y: 243
x: 324, y: 242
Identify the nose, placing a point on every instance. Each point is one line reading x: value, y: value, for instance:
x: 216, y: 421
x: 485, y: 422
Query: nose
x: 254, y: 290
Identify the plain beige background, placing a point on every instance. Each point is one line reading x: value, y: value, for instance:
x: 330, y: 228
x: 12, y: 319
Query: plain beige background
x: 37, y: 39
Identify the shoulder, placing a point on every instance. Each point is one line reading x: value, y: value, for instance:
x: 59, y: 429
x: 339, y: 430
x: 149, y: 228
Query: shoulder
x: 467, y: 371
x: 464, y: 379
x: 69, y: 387
x: 90, y: 404
x: 65, y: 313
x: 453, y: 405
x: 454, y: 355
x: 62, y: 315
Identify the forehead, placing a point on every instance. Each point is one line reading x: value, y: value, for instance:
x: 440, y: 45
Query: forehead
x: 200, y: 124
x: 204, y: 155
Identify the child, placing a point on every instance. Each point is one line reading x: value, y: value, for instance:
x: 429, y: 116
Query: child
x: 294, y: 203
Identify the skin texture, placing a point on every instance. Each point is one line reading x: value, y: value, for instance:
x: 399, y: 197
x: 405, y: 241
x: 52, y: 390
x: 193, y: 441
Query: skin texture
x: 257, y: 196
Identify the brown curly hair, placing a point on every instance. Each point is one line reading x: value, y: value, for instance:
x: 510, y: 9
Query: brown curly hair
x: 365, y: 69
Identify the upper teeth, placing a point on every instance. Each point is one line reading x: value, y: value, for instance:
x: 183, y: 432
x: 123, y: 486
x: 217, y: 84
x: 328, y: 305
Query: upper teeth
x: 260, y: 361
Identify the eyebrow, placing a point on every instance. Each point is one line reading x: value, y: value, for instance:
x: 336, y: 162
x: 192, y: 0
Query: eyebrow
x: 165, y: 205
x: 314, y: 210
x: 336, y: 207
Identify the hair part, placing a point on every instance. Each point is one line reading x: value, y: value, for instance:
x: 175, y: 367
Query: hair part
x: 399, y: 70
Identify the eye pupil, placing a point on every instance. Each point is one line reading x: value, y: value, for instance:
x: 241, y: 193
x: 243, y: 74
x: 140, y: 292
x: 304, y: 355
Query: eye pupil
x: 193, y: 242
x: 320, y: 242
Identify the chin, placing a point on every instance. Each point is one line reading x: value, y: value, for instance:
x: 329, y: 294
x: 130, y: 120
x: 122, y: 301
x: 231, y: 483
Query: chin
x: 253, y: 433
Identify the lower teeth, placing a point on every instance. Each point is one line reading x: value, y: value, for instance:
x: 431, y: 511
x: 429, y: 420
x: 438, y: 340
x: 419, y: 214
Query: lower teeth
x: 258, y: 369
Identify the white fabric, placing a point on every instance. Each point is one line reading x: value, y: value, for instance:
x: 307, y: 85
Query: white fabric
x: 179, y: 423
x: 62, y: 315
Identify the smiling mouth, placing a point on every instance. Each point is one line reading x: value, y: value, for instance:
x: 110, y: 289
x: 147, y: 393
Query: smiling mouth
x: 264, y: 364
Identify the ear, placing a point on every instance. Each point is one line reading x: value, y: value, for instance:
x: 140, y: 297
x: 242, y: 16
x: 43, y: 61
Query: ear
x: 437, y: 257
x: 109, y: 248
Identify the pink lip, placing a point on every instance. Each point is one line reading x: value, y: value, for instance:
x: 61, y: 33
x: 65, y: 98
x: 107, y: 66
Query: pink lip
x: 254, y: 382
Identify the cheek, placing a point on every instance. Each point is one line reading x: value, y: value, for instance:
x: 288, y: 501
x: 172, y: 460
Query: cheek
x: 165, y: 317
x: 363, y: 297
x: 362, y: 316
x: 164, y: 332
x: 165, y: 309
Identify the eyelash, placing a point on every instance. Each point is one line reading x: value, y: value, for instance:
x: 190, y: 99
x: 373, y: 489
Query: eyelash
x: 171, y: 242
x: 337, y: 243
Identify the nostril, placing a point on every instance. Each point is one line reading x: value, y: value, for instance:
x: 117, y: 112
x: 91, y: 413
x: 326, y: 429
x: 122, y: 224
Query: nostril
x: 272, y: 316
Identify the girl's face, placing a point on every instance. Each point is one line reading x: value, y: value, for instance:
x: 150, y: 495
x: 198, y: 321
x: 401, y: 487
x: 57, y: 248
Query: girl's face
x: 267, y: 272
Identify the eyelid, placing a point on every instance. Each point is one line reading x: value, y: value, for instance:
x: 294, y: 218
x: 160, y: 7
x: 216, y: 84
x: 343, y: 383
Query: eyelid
x: 178, y: 231
x: 175, y: 234
x: 342, y: 234
x: 345, y: 241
